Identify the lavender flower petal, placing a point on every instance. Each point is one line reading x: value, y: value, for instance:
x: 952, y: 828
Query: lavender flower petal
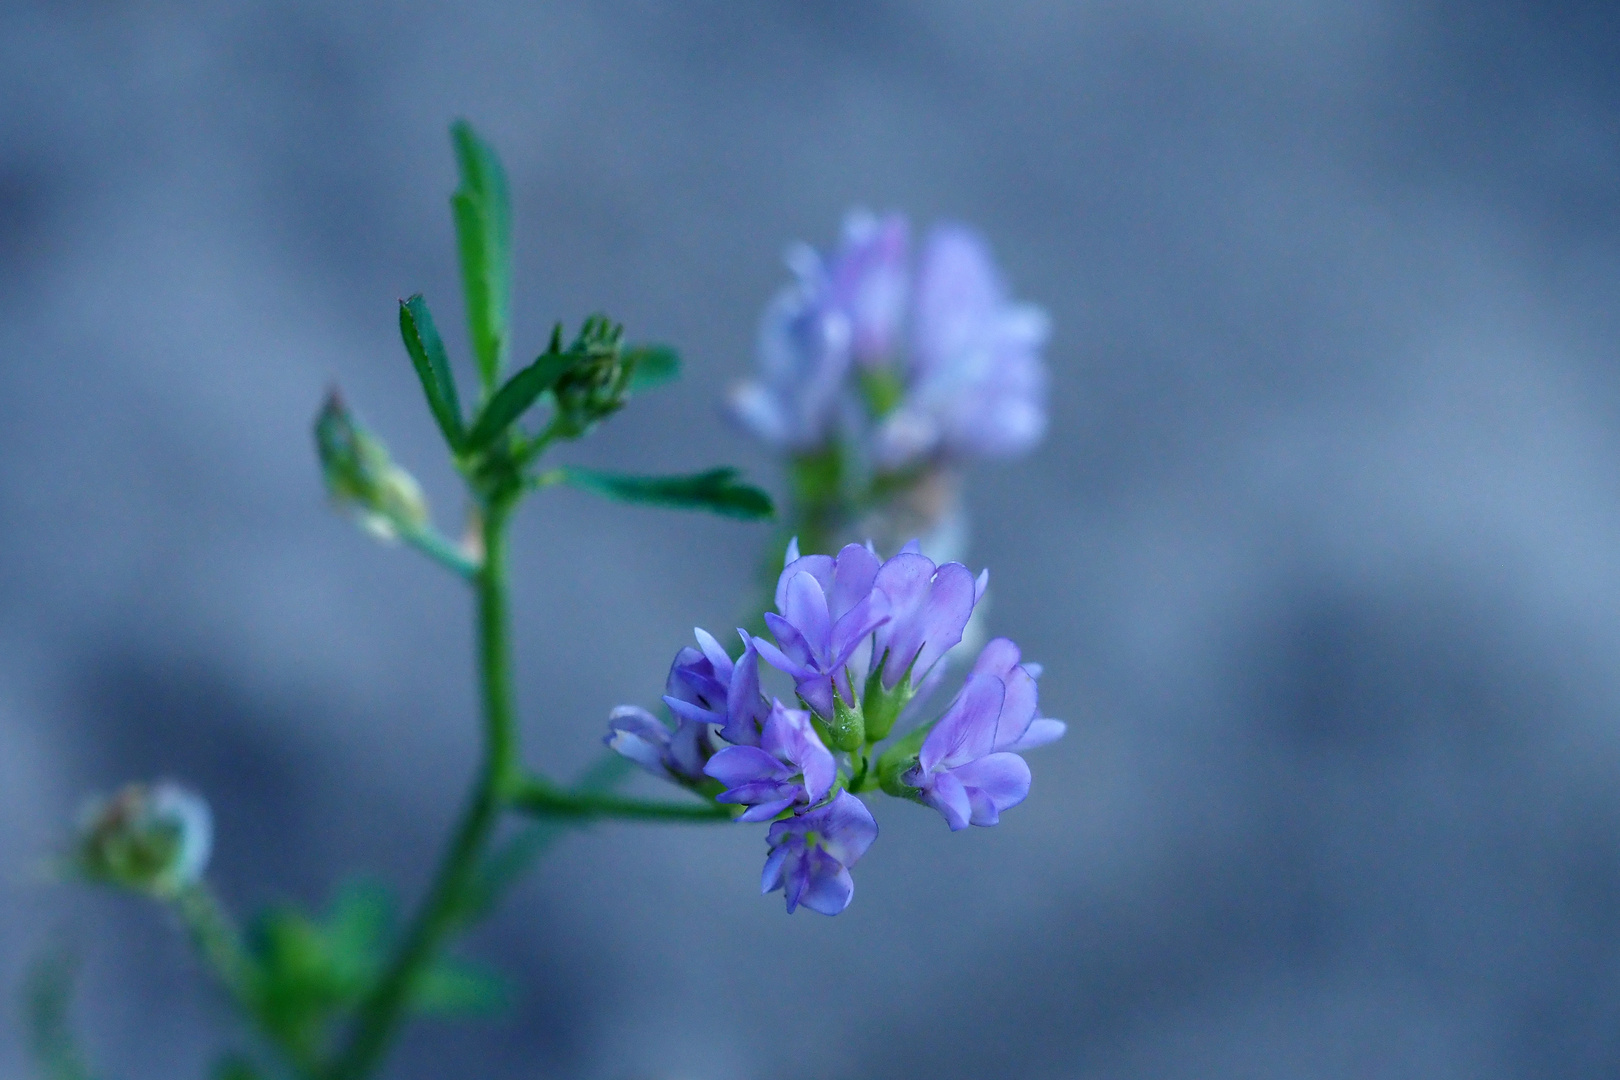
x: 967, y: 731
x: 734, y: 765
x: 993, y: 783
x: 928, y: 608
x: 637, y: 734
x: 1041, y: 730
x: 868, y: 280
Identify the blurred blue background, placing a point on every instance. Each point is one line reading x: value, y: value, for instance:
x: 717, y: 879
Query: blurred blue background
x: 1322, y: 554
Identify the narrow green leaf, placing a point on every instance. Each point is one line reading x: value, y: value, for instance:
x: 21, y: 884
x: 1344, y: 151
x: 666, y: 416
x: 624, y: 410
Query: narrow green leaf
x: 651, y: 366
x: 513, y: 400
x: 458, y: 988
x: 432, y: 365
x: 484, y: 235
x: 717, y: 491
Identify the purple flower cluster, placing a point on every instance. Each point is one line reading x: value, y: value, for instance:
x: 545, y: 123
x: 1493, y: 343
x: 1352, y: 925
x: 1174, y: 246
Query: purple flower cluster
x: 949, y: 364
x: 863, y: 641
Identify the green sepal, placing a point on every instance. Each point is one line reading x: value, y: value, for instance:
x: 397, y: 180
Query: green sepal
x: 484, y: 235
x: 848, y: 727
x: 818, y: 724
x: 883, y: 707
x: 514, y: 399
x: 717, y: 491
x: 882, y: 389
x: 651, y: 366
x: 432, y: 365
x: 897, y: 760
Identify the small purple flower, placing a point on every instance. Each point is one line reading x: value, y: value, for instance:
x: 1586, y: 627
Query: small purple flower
x: 868, y: 281
x: 828, y: 611
x: 811, y: 854
x: 976, y: 383
x: 843, y: 308
x: 790, y: 766
x: 799, y: 398
x: 706, y: 687
x: 679, y: 755
x: 928, y: 606
x: 968, y: 767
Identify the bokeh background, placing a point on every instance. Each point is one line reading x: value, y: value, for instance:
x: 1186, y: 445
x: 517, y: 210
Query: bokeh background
x: 1322, y: 553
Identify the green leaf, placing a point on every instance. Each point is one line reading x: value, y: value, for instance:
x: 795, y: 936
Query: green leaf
x: 717, y: 491
x: 484, y: 235
x: 458, y: 988
x: 432, y: 365
x: 651, y: 366
x: 359, y: 924
x: 513, y: 400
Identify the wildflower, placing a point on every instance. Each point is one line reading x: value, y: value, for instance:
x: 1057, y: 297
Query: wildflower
x: 640, y: 736
x: 826, y: 610
x: 811, y: 854
x: 153, y: 839
x: 804, y: 354
x: 790, y: 766
x: 706, y: 686
x: 928, y: 606
x: 975, y: 384
x: 968, y: 767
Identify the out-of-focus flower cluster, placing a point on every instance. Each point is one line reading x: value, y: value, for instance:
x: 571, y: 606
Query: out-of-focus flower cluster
x: 910, y: 362
x: 864, y: 642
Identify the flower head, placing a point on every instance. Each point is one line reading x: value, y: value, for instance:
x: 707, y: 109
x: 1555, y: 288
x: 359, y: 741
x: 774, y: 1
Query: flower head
x: 790, y: 767
x: 968, y: 767
x: 947, y: 365
x: 811, y: 854
x: 154, y: 839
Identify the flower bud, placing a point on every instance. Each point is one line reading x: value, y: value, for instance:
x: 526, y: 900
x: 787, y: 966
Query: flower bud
x: 152, y: 839
x: 594, y: 387
x: 361, y: 477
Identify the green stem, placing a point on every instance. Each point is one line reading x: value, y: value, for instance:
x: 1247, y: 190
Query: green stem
x: 217, y: 939
x: 379, y: 1015
x: 545, y: 799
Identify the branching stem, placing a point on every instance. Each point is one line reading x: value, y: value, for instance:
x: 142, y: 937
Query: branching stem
x: 379, y: 1015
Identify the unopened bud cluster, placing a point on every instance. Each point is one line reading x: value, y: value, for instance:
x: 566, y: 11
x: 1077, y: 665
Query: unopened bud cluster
x: 153, y: 839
